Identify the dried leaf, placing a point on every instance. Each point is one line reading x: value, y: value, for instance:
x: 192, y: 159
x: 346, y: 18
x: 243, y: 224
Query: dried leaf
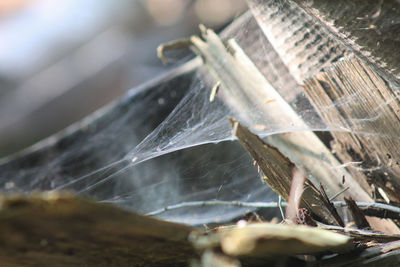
x: 260, y: 239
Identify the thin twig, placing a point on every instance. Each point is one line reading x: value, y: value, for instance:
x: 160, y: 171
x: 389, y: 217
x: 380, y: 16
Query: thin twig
x: 339, y: 193
x: 218, y: 203
x: 280, y: 206
x: 366, y: 205
x: 370, y: 205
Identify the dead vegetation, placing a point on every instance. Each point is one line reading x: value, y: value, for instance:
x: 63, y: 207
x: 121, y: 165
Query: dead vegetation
x: 360, y: 229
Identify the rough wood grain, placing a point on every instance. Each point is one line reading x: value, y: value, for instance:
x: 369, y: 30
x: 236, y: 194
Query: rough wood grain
x: 301, y: 42
x: 370, y: 28
x: 353, y: 95
x: 61, y: 230
x: 278, y: 173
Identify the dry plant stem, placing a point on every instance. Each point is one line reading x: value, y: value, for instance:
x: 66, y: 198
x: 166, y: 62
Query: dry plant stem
x: 241, y: 81
x: 280, y: 207
x: 373, y: 110
x: 338, y: 194
x: 381, y: 213
x: 370, y: 209
x: 295, y: 194
x: 268, y: 244
x: 218, y: 203
x: 327, y: 202
x: 360, y: 235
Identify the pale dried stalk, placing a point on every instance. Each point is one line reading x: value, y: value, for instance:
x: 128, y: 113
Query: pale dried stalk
x: 240, y: 80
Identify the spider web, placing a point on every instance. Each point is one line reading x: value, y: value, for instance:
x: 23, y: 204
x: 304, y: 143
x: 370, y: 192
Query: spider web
x: 166, y: 143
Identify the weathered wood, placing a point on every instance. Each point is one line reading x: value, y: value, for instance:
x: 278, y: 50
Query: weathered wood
x: 367, y: 238
x: 246, y: 91
x: 301, y: 42
x: 380, y: 213
x: 357, y: 214
x: 353, y: 95
x: 278, y: 172
x: 277, y: 169
x: 61, y: 230
x: 370, y: 28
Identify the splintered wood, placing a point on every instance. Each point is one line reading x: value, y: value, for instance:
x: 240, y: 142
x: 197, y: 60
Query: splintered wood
x: 354, y: 96
x: 63, y: 230
x: 278, y: 172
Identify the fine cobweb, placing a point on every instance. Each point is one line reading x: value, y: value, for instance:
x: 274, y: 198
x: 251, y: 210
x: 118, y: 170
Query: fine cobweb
x: 167, y: 143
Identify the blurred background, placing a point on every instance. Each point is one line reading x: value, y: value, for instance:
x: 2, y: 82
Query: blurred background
x: 61, y: 60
